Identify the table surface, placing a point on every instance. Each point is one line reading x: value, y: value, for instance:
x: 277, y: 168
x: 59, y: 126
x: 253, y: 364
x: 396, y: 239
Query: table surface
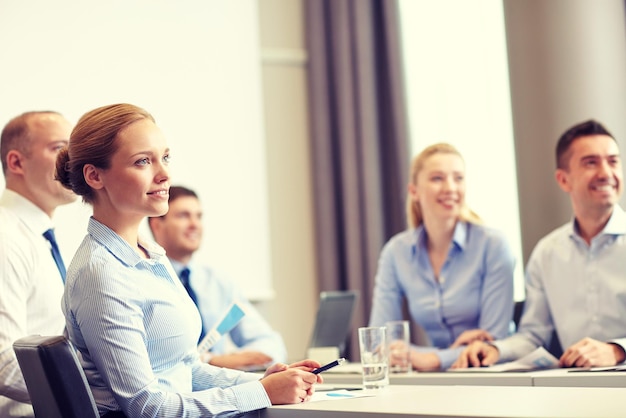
x: 440, y: 378
x: 553, y: 377
x: 464, y: 401
x: 571, y: 378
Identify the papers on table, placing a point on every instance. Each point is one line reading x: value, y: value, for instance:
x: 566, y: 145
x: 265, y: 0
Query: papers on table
x: 341, y: 394
x: 618, y: 368
x: 538, y: 359
x: 231, y: 318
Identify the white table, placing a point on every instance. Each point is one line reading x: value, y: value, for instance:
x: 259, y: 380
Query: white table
x: 465, y: 401
x: 439, y: 378
x: 569, y: 378
x: 554, y: 378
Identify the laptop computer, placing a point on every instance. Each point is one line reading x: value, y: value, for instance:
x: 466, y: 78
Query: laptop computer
x: 333, y: 322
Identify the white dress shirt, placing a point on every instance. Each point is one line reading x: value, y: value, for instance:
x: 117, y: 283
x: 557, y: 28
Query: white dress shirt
x: 30, y: 293
x: 215, y: 293
x: 579, y: 290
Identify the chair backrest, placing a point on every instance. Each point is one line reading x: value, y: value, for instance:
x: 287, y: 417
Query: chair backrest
x: 554, y: 346
x: 55, y: 379
x: 518, y: 310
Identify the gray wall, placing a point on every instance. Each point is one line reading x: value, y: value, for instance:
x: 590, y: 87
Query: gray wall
x: 284, y: 70
x: 567, y: 63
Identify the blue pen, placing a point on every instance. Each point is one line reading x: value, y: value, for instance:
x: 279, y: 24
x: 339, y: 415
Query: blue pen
x: 329, y: 366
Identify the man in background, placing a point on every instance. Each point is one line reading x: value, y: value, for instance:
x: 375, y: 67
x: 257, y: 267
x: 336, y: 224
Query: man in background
x: 576, y: 275
x: 179, y: 232
x: 31, y: 270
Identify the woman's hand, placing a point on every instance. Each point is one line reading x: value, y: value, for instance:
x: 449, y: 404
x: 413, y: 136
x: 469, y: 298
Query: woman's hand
x: 399, y: 353
x: 305, y: 365
x: 477, y: 354
x: 425, y: 362
x: 470, y: 336
x: 292, y: 383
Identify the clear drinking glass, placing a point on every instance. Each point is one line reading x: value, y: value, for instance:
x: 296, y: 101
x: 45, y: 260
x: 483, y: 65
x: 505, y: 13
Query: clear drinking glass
x: 398, y: 346
x: 374, y: 358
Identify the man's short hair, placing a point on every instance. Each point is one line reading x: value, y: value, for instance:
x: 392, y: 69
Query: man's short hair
x: 587, y: 128
x: 16, y: 135
x: 180, y: 191
x: 176, y: 192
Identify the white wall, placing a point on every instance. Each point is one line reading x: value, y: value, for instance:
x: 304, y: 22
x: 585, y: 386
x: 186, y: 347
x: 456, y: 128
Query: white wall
x: 458, y: 92
x: 194, y: 65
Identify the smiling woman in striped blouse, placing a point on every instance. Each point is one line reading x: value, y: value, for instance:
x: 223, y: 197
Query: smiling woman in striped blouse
x: 126, y: 312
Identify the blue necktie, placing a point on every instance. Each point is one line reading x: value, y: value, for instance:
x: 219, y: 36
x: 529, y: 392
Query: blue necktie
x: 184, y: 278
x: 54, y: 249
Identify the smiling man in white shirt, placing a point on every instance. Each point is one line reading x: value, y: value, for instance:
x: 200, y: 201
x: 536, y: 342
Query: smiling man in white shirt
x: 31, y: 281
x: 576, y: 275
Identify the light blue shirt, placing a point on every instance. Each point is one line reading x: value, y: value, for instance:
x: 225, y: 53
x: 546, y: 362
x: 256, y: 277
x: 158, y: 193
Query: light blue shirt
x: 215, y: 295
x: 474, y: 290
x: 136, y: 330
x: 575, y: 288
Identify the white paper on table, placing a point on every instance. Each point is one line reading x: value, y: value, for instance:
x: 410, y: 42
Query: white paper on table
x: 341, y: 394
x: 618, y: 368
x: 538, y: 359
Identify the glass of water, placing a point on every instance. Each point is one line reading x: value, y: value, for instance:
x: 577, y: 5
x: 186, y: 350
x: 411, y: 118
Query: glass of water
x: 399, y: 344
x: 374, y: 358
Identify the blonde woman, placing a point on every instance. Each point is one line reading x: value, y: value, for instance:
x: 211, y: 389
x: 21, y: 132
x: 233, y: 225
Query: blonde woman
x: 126, y: 311
x: 455, y: 273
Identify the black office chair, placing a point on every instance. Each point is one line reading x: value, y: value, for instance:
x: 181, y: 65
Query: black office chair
x: 518, y: 309
x: 55, y: 379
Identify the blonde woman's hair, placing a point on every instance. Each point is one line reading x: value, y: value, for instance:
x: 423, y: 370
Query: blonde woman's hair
x: 94, y: 141
x: 413, y: 210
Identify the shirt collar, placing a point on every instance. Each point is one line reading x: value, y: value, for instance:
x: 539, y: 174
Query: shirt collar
x: 460, y: 234
x: 617, y: 222
x: 120, y: 248
x: 459, y: 237
x: 178, y: 266
x: 615, y: 226
x: 30, y: 214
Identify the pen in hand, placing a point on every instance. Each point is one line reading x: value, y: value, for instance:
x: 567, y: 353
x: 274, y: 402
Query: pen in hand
x: 329, y: 366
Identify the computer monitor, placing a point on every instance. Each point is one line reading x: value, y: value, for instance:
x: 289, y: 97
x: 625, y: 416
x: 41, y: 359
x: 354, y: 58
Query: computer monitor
x: 334, y: 319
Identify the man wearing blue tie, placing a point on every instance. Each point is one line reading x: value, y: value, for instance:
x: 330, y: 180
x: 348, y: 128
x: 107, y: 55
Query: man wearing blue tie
x: 32, y: 272
x: 179, y: 232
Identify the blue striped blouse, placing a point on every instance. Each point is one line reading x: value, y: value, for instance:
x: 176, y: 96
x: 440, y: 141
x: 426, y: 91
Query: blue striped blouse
x: 136, y: 330
x: 474, y: 289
